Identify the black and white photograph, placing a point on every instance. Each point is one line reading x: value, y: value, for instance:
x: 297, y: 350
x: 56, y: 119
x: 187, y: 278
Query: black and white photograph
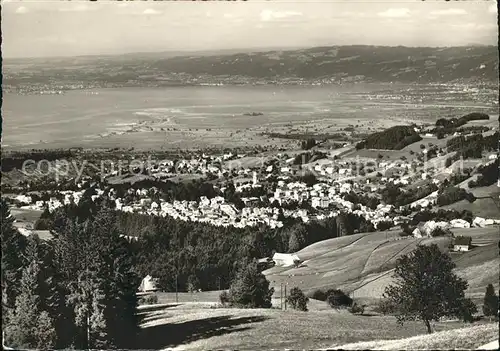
x: 250, y: 175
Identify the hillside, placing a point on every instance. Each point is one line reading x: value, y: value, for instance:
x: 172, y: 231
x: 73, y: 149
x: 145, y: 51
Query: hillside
x: 463, y: 338
x: 361, y: 264
x: 321, y: 64
x: 196, y: 326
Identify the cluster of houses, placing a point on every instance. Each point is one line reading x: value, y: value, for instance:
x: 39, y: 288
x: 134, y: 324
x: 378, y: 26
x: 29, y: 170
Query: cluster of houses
x: 426, y: 229
x: 335, y: 178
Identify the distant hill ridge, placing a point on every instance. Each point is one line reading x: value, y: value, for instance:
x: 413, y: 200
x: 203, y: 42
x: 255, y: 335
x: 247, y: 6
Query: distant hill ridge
x: 333, y: 64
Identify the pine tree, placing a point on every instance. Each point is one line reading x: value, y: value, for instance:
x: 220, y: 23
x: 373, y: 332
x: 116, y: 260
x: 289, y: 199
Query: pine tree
x: 297, y: 238
x: 490, y: 302
x: 45, y: 333
x: 97, y: 322
x: 427, y: 289
x: 28, y: 325
x: 103, y: 295
x: 251, y: 288
x: 13, y: 243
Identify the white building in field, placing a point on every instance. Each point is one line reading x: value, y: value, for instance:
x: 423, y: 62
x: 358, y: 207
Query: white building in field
x: 462, y: 243
x: 286, y: 260
x: 148, y: 284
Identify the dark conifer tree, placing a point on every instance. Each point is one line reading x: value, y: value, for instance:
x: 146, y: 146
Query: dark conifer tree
x: 13, y: 243
x: 29, y: 326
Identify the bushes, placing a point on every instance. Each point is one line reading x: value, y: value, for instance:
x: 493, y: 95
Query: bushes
x: 386, y: 307
x: 319, y: 295
x: 224, y: 298
x: 42, y: 224
x: 438, y: 231
x: 148, y: 300
x: 193, y: 283
x: 406, y: 230
x: 297, y: 300
x: 334, y: 297
x: 355, y: 309
x: 337, y: 298
x: 385, y: 225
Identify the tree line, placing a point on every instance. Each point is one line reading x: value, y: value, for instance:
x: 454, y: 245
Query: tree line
x: 474, y: 145
x: 176, y: 251
x: 170, y: 248
x: 76, y: 290
x: 394, y: 138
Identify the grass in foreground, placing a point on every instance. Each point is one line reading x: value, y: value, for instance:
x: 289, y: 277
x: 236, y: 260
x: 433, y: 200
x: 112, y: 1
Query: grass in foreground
x: 198, y: 327
x: 458, y: 339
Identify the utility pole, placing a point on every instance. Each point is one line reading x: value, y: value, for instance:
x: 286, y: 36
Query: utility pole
x: 88, y: 331
x: 177, y: 281
x: 176, y: 286
x: 281, y: 296
x: 285, y: 296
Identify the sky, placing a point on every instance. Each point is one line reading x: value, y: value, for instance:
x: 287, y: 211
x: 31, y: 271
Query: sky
x: 41, y: 28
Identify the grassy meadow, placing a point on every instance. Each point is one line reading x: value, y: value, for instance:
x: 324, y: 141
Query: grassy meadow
x: 197, y: 326
x: 459, y: 339
x: 362, y: 264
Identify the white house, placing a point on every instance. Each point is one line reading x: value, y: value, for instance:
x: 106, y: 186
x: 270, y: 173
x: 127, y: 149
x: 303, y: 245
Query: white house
x: 148, y: 284
x: 462, y: 243
x: 322, y: 202
x: 286, y: 260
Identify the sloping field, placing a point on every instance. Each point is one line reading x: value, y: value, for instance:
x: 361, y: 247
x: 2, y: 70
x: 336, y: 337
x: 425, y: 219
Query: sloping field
x: 387, y: 254
x: 480, y: 236
x: 485, y: 207
x: 247, y: 162
x: 457, y: 339
x: 343, y: 262
x: 25, y: 215
x: 479, y: 276
x: 486, y: 191
x: 362, y: 264
x: 197, y: 327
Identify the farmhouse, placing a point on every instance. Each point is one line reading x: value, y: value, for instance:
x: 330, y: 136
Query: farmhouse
x: 148, y: 284
x: 462, y: 243
x: 286, y: 260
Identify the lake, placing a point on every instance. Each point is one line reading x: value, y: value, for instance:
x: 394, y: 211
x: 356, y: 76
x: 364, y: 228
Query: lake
x: 99, y: 117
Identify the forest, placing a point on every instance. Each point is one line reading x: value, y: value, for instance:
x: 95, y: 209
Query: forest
x: 474, y: 145
x: 394, y: 138
x: 168, y: 248
x: 76, y: 290
x: 452, y: 123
